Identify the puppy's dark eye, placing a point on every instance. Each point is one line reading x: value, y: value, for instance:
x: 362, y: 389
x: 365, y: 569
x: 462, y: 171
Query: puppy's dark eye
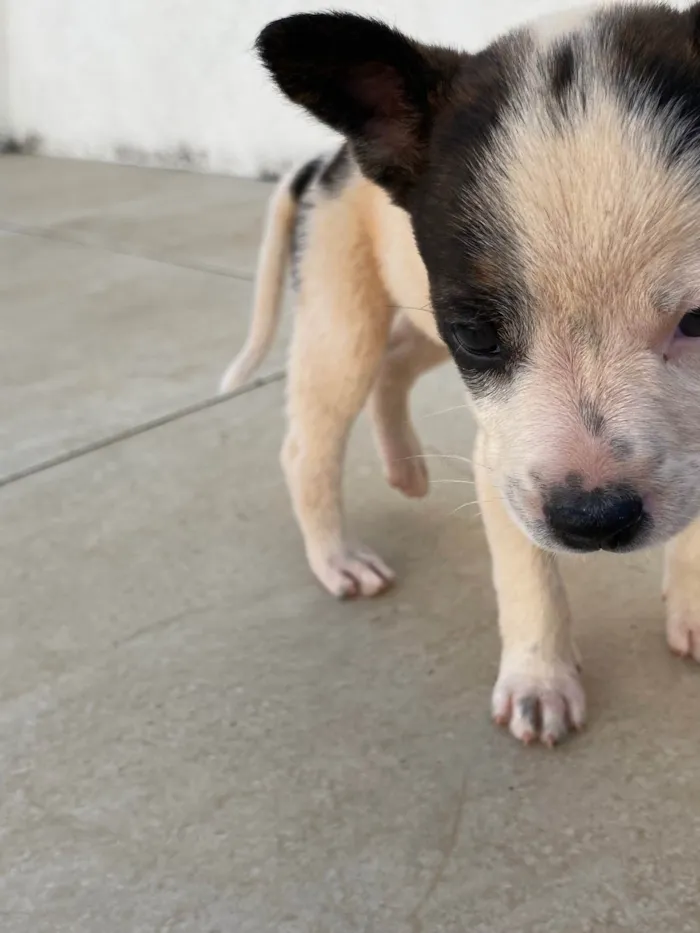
x: 477, y: 339
x: 690, y: 324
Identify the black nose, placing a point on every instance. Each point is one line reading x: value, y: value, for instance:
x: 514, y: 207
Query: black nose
x: 607, y: 519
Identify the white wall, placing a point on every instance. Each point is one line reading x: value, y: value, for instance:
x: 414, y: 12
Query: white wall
x: 4, y: 74
x: 174, y: 81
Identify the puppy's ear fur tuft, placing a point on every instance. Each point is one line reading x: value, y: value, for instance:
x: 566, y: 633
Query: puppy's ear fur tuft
x: 375, y: 86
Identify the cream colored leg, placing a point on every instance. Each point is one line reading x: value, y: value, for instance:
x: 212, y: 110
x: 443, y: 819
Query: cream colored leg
x: 538, y: 693
x: 682, y: 592
x: 410, y: 354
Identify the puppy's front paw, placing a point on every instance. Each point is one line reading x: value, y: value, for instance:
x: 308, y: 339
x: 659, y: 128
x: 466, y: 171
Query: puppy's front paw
x: 538, y: 700
x: 682, y: 595
x: 683, y: 625
x: 353, y: 572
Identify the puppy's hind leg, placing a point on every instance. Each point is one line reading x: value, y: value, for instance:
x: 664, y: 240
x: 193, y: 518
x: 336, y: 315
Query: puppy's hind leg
x: 341, y: 332
x: 410, y: 354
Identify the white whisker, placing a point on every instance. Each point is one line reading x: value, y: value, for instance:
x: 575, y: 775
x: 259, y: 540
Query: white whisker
x: 476, y: 502
x: 470, y: 463
x: 465, y: 506
x: 439, y: 457
x: 426, y: 308
x: 446, y: 411
x: 461, y: 482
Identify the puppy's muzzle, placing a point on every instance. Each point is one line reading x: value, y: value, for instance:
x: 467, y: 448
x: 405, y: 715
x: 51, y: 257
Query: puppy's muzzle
x: 608, y: 519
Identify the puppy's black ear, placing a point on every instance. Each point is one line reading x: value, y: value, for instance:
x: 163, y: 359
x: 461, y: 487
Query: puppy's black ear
x: 694, y: 14
x: 366, y: 80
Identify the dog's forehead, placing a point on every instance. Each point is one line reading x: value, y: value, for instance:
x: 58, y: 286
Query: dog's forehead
x: 590, y: 169
x: 592, y: 203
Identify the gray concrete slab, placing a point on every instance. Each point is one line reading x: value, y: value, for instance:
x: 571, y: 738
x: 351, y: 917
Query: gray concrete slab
x: 93, y: 343
x: 209, y: 221
x: 41, y: 192
x: 197, y: 739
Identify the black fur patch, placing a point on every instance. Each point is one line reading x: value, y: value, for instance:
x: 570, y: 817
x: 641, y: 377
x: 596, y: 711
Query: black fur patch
x: 303, y: 178
x: 333, y: 177
x: 565, y: 72
x: 562, y: 71
x: 656, y: 58
x: 464, y: 236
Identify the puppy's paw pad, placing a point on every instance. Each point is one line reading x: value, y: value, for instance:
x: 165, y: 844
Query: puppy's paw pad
x: 683, y: 632
x: 409, y: 476
x: 543, y: 707
x: 354, y: 573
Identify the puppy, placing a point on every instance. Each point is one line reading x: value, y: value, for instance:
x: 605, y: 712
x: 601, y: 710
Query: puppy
x: 534, y: 211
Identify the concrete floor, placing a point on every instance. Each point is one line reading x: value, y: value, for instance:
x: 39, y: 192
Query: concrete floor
x: 196, y: 739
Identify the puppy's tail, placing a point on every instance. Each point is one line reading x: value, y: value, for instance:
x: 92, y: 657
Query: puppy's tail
x: 269, y: 282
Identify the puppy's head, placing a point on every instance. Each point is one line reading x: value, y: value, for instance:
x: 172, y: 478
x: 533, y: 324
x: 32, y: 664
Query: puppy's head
x: 553, y: 183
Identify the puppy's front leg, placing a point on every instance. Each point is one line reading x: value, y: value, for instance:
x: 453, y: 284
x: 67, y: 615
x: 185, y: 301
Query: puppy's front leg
x: 538, y: 692
x: 682, y: 592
